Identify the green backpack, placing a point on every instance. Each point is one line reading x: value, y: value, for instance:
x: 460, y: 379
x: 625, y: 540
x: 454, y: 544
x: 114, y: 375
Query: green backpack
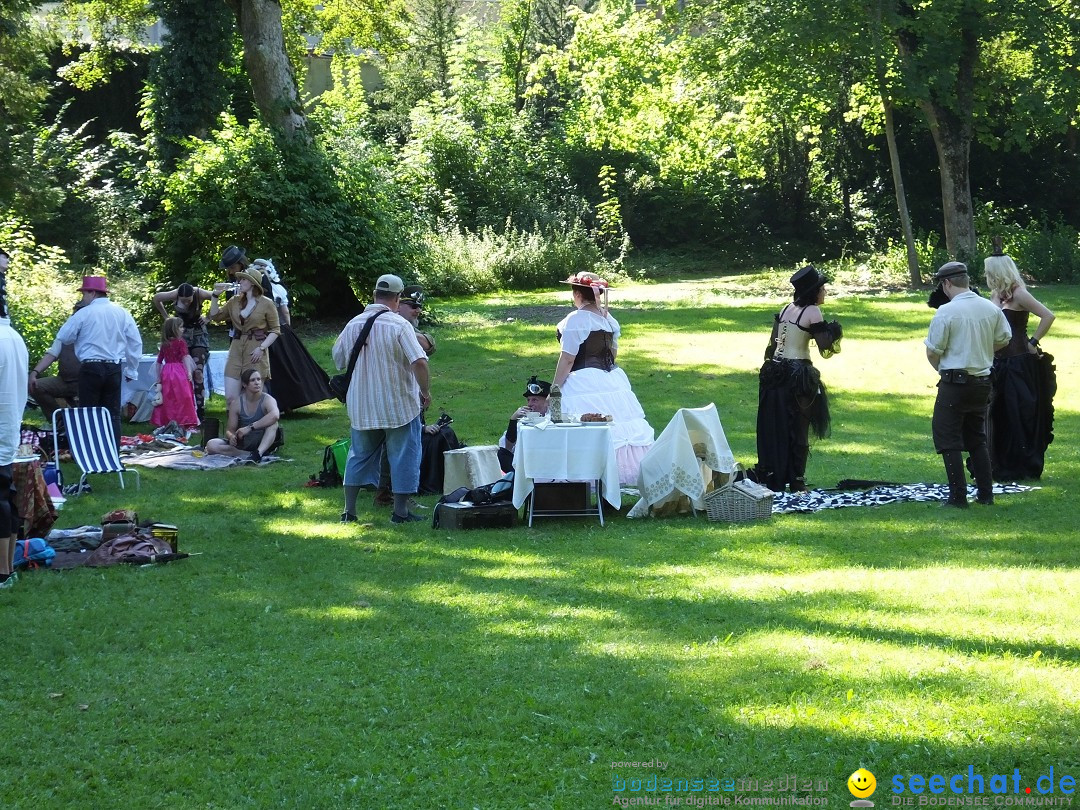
x: 333, y: 465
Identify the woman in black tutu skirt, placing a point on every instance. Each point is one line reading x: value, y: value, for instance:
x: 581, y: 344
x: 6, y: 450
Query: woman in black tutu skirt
x: 296, y: 379
x: 791, y: 396
x: 1021, y: 423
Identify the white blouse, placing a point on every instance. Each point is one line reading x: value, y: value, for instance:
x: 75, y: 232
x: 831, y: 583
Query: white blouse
x: 580, y: 323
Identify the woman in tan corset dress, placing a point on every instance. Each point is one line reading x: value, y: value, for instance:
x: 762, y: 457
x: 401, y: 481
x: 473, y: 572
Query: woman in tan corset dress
x: 254, y: 319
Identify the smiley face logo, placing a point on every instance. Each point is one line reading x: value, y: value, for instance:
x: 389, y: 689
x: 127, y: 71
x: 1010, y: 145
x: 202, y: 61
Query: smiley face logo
x: 862, y: 784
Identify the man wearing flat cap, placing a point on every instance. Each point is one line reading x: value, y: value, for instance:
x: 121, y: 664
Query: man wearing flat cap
x: 108, y: 345
x: 388, y: 390
x: 963, y: 336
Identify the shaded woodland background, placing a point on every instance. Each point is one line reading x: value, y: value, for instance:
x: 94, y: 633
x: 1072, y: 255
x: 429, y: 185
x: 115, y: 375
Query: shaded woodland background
x: 486, y: 145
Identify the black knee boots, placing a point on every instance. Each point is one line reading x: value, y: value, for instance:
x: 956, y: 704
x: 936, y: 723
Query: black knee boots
x: 799, y: 454
x: 954, y: 473
x: 984, y: 476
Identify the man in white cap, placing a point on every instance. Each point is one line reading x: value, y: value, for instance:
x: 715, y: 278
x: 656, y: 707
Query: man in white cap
x: 108, y: 345
x: 963, y: 336
x: 388, y: 390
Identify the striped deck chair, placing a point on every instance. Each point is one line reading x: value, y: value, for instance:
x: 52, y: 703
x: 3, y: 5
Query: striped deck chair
x: 92, y: 442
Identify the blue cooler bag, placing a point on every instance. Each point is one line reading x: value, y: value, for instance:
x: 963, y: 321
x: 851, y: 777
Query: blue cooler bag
x: 33, y: 553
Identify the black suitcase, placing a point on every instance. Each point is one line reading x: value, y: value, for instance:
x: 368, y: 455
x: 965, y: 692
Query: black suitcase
x: 466, y: 515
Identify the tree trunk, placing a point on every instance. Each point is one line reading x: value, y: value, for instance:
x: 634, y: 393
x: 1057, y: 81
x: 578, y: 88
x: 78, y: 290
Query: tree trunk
x: 952, y: 137
x: 901, y: 197
x: 894, y: 154
x: 949, y: 107
x: 273, y: 82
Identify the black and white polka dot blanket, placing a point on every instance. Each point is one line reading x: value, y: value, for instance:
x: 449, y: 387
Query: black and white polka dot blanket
x: 818, y: 499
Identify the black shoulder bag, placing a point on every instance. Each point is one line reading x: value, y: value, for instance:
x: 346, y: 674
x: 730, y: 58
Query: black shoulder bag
x: 339, y: 383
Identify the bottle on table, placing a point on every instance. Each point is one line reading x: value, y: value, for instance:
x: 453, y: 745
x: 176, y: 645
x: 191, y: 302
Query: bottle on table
x: 555, y: 404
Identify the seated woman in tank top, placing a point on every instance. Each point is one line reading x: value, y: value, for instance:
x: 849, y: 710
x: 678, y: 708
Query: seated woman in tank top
x: 253, y: 428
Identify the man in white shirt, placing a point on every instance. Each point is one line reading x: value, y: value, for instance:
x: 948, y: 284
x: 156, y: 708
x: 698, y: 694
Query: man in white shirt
x: 13, y: 364
x: 108, y: 345
x: 963, y: 336
x: 387, y: 392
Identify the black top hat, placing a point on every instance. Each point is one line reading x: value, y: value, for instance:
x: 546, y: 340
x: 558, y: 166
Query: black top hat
x: 950, y: 269
x: 806, y: 281
x: 536, y: 388
x: 413, y: 293
x: 231, y: 256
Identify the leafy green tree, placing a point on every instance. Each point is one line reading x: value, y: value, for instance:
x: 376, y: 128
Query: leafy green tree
x: 190, y: 85
x: 260, y: 24
x: 23, y: 85
x: 330, y: 218
x: 269, y: 69
x: 22, y: 59
x: 418, y: 68
x: 526, y: 30
x: 954, y: 59
x: 948, y: 58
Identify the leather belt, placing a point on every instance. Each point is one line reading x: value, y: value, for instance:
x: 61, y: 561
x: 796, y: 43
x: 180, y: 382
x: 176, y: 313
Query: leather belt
x: 960, y: 376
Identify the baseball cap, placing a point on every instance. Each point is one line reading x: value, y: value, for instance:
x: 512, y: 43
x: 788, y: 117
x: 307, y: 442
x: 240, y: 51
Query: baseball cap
x: 389, y: 283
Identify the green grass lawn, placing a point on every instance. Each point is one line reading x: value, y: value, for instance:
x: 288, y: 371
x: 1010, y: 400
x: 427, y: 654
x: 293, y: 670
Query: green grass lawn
x: 301, y: 663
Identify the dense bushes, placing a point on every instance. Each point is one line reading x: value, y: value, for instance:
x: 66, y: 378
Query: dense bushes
x: 330, y: 224
x: 456, y: 262
x: 40, y: 287
x: 496, y: 173
x: 1044, y: 251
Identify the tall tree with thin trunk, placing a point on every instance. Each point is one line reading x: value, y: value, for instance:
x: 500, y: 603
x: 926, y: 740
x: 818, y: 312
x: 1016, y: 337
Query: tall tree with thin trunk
x: 948, y: 58
x: 887, y: 109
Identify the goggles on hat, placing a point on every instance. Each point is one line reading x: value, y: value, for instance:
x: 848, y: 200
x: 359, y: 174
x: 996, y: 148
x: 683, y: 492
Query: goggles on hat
x: 535, y: 389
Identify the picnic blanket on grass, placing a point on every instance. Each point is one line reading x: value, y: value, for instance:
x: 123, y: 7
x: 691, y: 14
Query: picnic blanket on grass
x: 818, y: 499
x: 191, y: 458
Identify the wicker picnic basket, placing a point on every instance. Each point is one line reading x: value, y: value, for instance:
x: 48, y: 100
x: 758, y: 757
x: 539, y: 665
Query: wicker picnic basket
x: 739, y: 500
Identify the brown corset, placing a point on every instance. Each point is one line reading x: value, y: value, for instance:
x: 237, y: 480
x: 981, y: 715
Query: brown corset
x: 595, y: 352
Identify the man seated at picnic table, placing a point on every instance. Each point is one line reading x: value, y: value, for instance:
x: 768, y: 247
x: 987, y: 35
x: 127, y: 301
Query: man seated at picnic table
x: 61, y: 391
x: 536, y: 402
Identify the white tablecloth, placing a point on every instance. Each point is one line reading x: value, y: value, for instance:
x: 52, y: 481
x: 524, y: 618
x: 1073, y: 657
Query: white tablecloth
x: 214, y: 377
x: 584, y: 452
x: 470, y: 467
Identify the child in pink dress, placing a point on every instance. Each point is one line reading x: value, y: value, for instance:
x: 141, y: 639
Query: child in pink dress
x: 175, y: 367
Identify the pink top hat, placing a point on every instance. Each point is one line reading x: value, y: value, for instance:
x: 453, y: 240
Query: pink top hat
x: 95, y: 284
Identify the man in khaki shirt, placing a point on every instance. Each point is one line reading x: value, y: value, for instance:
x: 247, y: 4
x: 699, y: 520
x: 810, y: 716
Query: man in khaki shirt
x: 963, y: 336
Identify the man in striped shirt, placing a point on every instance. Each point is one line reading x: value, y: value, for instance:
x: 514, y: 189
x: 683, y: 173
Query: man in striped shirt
x: 387, y: 392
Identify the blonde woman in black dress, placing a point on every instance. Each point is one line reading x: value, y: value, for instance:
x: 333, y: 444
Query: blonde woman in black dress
x: 1021, y: 423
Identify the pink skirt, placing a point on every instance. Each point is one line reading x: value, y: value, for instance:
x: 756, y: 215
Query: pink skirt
x: 177, y: 398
